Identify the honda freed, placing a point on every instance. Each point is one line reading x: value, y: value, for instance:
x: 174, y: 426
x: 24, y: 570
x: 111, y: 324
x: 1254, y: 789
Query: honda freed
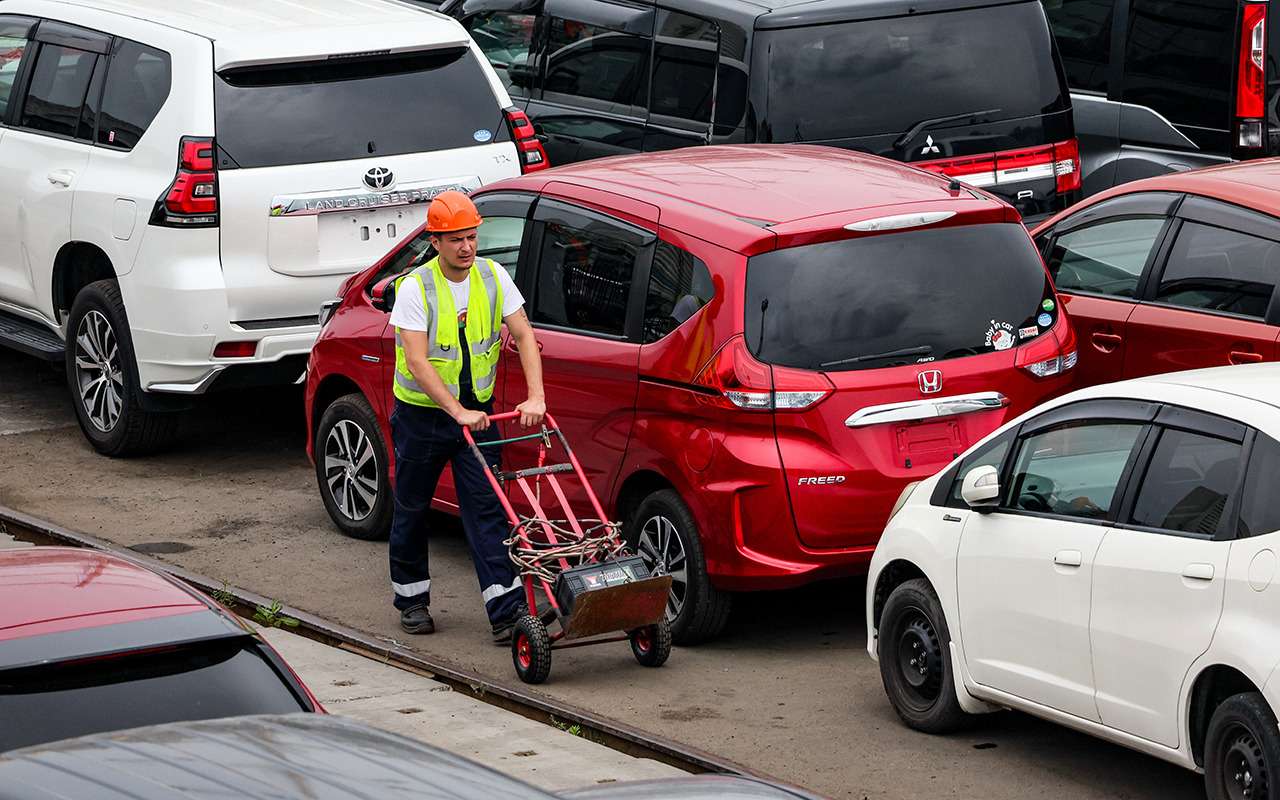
x: 751, y: 349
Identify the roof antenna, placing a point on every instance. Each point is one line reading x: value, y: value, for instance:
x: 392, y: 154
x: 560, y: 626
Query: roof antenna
x: 954, y: 186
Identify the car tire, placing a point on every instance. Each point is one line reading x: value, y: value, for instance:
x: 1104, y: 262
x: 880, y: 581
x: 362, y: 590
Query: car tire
x: 1242, y: 750
x: 102, y: 374
x: 915, y: 659
x: 663, y: 532
x: 351, y: 469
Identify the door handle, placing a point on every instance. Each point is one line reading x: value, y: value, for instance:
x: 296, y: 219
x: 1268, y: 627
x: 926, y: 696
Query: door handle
x: 1106, y: 342
x: 512, y: 347
x: 1198, y: 572
x: 62, y: 177
x: 1068, y: 558
x: 1244, y: 357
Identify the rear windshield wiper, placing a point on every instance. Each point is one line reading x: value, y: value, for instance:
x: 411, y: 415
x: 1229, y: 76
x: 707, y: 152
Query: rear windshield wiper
x: 922, y: 350
x: 917, y: 127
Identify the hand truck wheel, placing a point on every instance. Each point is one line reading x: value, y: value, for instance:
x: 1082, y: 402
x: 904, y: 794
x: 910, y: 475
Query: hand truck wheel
x: 531, y: 650
x: 651, y: 644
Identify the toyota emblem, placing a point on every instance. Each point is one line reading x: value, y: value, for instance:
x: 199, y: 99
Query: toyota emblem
x: 379, y: 178
x: 930, y: 381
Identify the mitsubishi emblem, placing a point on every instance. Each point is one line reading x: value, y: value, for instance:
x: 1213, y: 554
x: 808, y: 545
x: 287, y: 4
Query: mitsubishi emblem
x: 929, y: 147
x: 930, y: 381
x: 379, y: 178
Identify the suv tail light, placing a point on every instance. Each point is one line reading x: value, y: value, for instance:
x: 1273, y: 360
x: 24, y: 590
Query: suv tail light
x: 191, y: 201
x: 1050, y: 355
x: 1251, y: 83
x: 532, y: 156
x: 1060, y: 161
x: 739, y: 381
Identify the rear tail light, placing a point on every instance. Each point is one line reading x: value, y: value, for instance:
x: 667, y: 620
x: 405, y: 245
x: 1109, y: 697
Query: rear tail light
x: 191, y: 201
x: 1060, y: 161
x: 532, y: 156
x: 739, y: 381
x: 1251, y: 83
x: 1050, y: 354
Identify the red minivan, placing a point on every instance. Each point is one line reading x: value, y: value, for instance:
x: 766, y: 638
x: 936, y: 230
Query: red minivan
x: 1171, y: 273
x: 752, y: 349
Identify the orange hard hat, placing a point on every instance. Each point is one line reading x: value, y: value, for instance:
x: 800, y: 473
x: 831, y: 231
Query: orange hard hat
x: 452, y: 211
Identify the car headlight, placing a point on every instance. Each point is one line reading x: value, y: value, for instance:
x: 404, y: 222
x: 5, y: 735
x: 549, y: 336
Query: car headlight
x: 326, y: 310
x: 902, y: 498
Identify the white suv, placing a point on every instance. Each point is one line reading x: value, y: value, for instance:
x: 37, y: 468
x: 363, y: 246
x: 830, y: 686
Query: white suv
x: 1106, y: 561
x: 183, y: 184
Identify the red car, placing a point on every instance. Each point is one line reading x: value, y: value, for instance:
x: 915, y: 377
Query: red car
x: 1171, y: 273
x: 92, y: 642
x: 751, y: 349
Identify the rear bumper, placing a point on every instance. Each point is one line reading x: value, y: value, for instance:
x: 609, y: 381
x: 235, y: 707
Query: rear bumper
x: 750, y: 570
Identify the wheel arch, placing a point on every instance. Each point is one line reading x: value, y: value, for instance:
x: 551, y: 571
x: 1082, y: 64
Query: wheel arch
x: 894, y: 574
x: 1213, y: 685
x: 330, y: 389
x: 77, y: 265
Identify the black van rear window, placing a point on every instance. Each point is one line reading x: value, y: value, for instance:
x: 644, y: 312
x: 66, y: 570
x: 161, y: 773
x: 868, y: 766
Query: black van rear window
x: 897, y: 298
x: 344, y: 109
x: 882, y: 76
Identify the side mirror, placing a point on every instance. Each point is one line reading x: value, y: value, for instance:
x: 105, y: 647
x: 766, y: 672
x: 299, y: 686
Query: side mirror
x: 981, y: 488
x: 384, y: 294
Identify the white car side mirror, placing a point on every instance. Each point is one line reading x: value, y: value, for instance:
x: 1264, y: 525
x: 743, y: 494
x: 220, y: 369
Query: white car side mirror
x: 981, y: 488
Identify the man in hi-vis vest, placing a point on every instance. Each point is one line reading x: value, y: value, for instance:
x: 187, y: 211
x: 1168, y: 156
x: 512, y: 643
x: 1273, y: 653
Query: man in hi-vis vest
x: 448, y: 319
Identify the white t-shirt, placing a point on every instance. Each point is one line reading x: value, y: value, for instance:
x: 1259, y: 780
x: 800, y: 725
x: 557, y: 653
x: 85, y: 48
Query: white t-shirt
x: 410, y: 315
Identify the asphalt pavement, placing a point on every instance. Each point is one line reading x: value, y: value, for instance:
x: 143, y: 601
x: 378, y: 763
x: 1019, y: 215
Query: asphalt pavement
x: 788, y: 688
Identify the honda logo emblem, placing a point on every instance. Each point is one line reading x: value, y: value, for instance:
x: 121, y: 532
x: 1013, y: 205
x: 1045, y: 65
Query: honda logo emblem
x: 379, y: 178
x: 930, y: 381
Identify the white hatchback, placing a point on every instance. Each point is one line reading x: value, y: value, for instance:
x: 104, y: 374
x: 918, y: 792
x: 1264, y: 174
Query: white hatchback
x: 1106, y: 561
x: 182, y: 185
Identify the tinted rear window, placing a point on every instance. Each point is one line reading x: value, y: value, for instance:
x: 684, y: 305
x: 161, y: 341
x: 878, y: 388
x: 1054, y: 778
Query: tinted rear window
x: 218, y: 679
x: 358, y: 108
x: 897, y: 298
x: 883, y: 76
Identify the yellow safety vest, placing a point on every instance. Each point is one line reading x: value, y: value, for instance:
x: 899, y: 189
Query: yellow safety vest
x: 483, y: 332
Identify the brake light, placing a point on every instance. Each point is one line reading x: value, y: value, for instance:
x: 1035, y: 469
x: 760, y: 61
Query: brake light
x: 532, y: 156
x: 735, y: 376
x: 1251, y: 84
x: 1060, y: 161
x: 191, y: 201
x: 1051, y: 354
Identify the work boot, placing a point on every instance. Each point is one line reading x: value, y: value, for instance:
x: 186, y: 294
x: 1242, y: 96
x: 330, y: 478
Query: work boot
x: 418, y: 620
x: 502, y: 629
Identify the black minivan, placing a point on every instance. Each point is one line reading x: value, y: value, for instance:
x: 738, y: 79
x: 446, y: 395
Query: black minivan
x: 962, y: 87
x: 1165, y: 85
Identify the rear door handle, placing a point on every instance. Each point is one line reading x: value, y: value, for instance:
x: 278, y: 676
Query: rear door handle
x: 1198, y: 572
x: 62, y: 177
x: 513, y: 347
x: 1107, y: 342
x: 1068, y: 558
x: 1244, y: 357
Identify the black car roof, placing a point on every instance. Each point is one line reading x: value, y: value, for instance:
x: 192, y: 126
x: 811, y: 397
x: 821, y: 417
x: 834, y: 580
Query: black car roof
x: 769, y: 14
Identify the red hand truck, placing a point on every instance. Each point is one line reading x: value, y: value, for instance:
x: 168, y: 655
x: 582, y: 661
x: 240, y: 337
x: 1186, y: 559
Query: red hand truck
x: 599, y: 591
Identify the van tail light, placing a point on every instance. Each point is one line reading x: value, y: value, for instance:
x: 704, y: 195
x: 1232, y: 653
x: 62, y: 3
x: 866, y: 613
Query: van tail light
x: 1060, y: 161
x: 1251, y: 83
x: 532, y: 156
x: 191, y: 201
x: 1051, y: 354
x: 737, y: 380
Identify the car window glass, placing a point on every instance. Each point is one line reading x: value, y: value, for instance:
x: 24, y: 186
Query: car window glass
x: 1188, y: 483
x: 59, y: 83
x: 679, y: 285
x: 12, y: 50
x: 684, y: 67
x: 137, y: 86
x: 1106, y: 258
x: 1220, y: 270
x: 1179, y: 58
x: 1259, y: 511
x: 499, y: 239
x: 990, y: 454
x: 505, y: 39
x: 1082, y: 29
x: 1072, y: 470
x: 594, y: 63
x: 584, y: 276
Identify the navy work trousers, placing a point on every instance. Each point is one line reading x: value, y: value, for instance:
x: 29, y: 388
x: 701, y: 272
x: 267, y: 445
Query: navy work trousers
x: 425, y: 440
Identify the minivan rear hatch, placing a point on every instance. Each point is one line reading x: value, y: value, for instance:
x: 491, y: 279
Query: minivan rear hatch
x: 924, y: 87
x: 912, y: 341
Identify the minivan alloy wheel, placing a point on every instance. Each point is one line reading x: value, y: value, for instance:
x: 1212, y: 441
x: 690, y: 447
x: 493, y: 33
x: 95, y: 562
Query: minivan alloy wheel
x: 662, y: 548
x: 351, y: 470
x: 98, y: 373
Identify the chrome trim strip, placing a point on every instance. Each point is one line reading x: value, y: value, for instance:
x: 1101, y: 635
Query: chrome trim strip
x: 34, y: 316
x: 302, y: 205
x: 932, y: 408
x: 199, y: 386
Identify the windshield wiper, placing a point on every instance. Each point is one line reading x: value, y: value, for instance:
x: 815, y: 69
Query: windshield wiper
x: 917, y: 127
x: 922, y: 350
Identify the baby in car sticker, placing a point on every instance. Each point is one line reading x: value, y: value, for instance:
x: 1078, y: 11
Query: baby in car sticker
x: 1000, y: 335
